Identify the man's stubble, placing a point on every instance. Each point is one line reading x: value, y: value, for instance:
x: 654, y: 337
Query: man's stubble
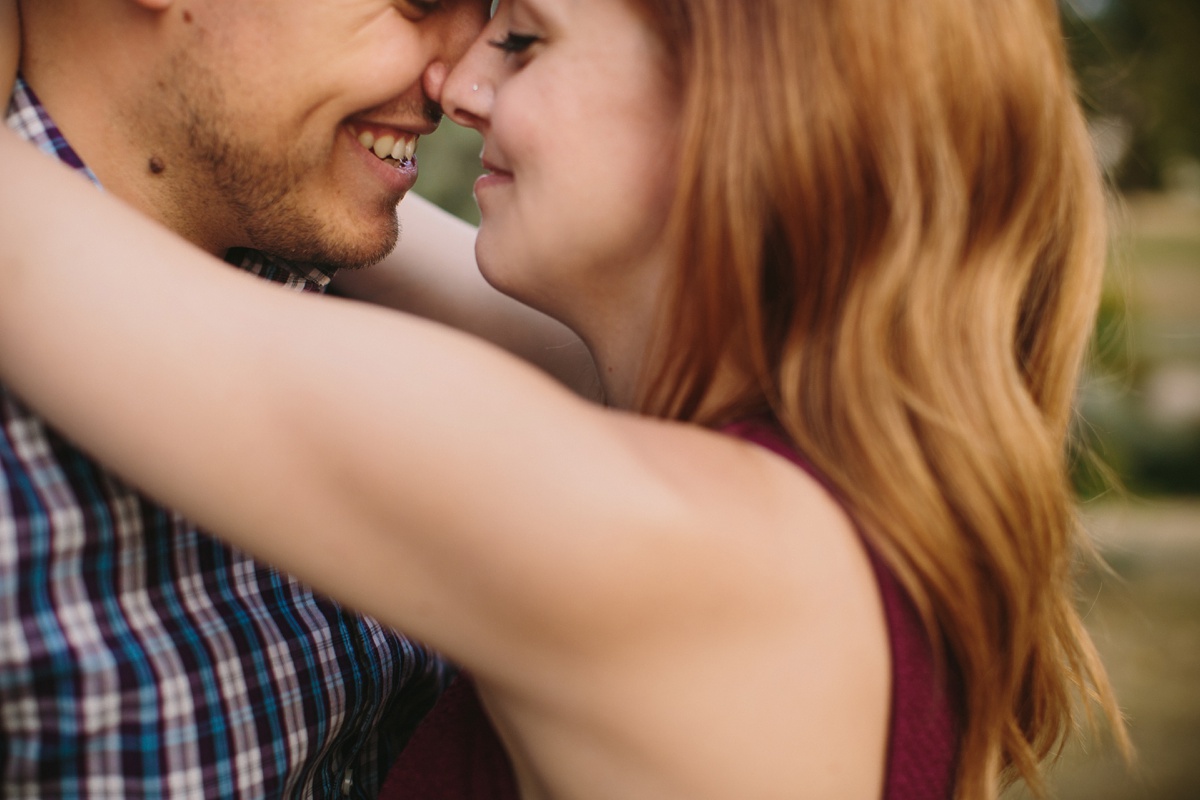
x: 228, y: 176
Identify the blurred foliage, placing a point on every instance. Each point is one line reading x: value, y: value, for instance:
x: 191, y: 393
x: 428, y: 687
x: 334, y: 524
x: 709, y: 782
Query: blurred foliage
x: 1136, y: 61
x: 449, y: 162
x: 1140, y: 403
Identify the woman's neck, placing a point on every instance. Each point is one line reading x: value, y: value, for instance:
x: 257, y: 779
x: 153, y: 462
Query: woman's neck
x: 625, y: 362
x: 620, y: 355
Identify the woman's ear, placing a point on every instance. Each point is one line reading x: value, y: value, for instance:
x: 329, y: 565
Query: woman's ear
x: 10, y: 46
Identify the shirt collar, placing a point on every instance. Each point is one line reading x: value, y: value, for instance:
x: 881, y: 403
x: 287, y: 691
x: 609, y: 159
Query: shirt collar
x: 29, y: 119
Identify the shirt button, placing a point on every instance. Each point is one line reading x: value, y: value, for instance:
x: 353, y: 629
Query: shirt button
x: 348, y: 783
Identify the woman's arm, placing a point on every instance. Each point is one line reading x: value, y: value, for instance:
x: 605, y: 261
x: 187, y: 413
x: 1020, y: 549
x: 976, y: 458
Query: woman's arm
x: 10, y: 45
x: 432, y: 273
x: 406, y: 469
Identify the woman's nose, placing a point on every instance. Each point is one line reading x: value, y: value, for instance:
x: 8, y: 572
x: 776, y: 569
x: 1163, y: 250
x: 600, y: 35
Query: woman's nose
x: 468, y: 90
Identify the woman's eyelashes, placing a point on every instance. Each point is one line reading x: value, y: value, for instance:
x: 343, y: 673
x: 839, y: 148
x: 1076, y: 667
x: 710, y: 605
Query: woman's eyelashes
x: 515, y: 43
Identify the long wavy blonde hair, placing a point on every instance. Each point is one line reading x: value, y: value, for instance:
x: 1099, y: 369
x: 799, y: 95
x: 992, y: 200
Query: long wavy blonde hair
x: 892, y: 221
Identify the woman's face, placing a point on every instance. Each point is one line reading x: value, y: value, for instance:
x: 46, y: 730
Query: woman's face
x: 579, y: 125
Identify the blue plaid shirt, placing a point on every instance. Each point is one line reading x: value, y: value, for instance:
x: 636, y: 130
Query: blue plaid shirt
x: 140, y: 658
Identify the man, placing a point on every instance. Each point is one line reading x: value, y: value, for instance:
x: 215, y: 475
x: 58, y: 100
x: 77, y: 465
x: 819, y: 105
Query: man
x: 139, y: 658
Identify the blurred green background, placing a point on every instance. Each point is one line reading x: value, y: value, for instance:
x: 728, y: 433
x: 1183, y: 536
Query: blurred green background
x: 1140, y: 404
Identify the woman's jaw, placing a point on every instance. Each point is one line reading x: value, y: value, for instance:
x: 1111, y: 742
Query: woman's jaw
x: 617, y: 323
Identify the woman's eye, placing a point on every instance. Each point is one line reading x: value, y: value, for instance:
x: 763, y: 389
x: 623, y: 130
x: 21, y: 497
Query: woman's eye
x: 514, y: 42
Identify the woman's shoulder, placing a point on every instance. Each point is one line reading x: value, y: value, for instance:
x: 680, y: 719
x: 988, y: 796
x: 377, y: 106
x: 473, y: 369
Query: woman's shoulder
x: 923, y: 725
x: 772, y: 610
x: 742, y: 503
x: 746, y: 488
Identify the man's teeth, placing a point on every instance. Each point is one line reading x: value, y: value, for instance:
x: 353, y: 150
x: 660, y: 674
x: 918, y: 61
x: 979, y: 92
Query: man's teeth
x: 399, y: 148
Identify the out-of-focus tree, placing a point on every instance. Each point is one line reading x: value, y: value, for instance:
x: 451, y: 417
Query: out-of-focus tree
x: 1139, y: 67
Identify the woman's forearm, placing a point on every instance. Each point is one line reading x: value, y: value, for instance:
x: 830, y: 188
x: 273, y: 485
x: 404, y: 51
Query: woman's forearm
x: 349, y: 445
x: 126, y: 349
x: 432, y: 273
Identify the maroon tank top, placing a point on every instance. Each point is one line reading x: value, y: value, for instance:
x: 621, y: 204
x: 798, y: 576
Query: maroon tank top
x: 455, y: 753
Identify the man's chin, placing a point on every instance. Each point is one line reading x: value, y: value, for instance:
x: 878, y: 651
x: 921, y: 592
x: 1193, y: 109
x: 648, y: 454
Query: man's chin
x: 359, y: 258
x: 332, y: 248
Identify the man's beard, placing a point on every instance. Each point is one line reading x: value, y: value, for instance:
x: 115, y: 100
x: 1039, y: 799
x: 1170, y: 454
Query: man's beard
x: 259, y: 185
x: 265, y: 199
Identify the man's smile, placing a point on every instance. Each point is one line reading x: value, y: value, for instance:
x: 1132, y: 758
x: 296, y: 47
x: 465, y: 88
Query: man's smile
x: 391, y: 145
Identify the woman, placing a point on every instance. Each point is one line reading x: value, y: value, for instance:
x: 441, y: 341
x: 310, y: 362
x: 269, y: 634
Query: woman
x: 841, y: 258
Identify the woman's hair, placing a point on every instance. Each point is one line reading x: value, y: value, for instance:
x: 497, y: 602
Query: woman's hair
x: 892, y: 224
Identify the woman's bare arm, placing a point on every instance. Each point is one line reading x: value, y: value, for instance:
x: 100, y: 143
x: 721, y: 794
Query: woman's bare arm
x: 406, y: 469
x: 432, y: 273
x: 621, y: 585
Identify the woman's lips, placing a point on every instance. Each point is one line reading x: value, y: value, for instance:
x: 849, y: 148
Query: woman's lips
x: 494, y: 177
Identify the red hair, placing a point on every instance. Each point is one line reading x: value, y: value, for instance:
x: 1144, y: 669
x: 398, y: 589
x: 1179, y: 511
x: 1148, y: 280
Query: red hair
x: 893, y: 226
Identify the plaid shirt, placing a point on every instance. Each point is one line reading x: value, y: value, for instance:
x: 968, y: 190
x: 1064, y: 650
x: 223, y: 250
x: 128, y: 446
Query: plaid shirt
x: 140, y: 658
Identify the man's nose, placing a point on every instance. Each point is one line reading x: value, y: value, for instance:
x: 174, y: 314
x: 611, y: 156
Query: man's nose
x: 459, y: 29
x: 433, y: 80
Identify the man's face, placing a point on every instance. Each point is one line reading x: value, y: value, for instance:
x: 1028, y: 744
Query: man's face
x: 270, y: 105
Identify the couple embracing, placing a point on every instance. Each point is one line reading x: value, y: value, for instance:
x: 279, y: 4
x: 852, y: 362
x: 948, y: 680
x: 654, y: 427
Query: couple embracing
x: 834, y: 267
